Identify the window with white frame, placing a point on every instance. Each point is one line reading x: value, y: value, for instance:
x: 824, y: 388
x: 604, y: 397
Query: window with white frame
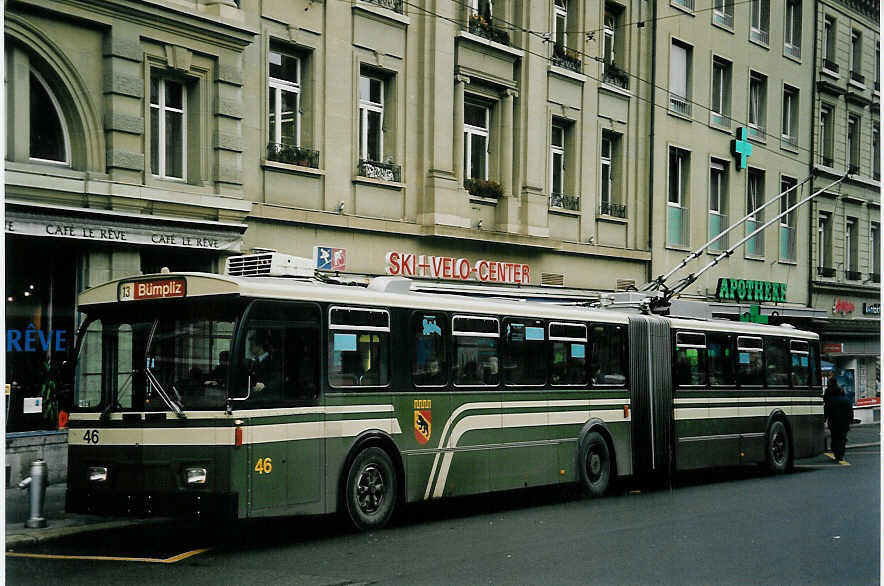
x: 754, y: 200
x: 757, y: 105
x: 790, y: 116
x: 476, y: 136
x: 853, y: 131
x: 609, y: 32
x: 557, y: 161
x: 607, y: 153
x: 560, y: 22
x: 826, y: 136
x: 610, y: 198
x: 484, y: 8
x: 284, y: 112
x: 679, y: 78
x: 677, y: 209
x: 759, y: 26
x: 718, y: 190
x: 824, y: 245
x: 49, y: 139
x: 371, y: 118
x: 829, y: 33
x: 792, y: 29
x: 787, y: 221
x: 168, y: 152
x: 721, y: 92
x: 851, y: 248
x: 723, y: 13
x: 856, y: 61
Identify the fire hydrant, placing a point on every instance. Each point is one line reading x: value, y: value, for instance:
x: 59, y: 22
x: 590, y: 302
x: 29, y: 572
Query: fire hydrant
x: 36, y: 484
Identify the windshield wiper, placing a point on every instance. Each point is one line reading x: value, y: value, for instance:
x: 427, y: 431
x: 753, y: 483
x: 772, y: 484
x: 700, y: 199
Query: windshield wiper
x: 154, y: 383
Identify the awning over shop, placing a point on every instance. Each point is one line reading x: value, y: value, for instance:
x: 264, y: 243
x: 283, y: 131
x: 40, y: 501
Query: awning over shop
x: 113, y: 227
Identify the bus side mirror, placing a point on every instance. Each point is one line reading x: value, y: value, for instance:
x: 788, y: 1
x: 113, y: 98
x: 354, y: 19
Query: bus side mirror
x: 246, y: 398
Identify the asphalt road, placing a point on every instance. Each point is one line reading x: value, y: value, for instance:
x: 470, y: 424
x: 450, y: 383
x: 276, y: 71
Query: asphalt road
x: 818, y: 525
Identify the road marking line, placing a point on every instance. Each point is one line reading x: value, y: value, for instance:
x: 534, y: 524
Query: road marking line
x: 105, y: 558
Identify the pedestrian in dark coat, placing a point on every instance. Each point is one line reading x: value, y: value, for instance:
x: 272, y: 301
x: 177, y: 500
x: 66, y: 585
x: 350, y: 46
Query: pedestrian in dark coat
x: 839, y: 415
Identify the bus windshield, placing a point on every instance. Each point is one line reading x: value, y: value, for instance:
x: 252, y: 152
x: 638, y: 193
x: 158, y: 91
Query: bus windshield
x: 129, y: 360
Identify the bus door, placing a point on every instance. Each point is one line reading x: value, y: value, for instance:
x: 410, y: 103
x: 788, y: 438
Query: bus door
x: 280, y: 365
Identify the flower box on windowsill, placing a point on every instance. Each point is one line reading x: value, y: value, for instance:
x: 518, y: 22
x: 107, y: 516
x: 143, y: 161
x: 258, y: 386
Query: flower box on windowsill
x: 293, y: 155
x: 483, y: 188
x: 480, y: 26
x: 564, y: 57
x: 615, y: 76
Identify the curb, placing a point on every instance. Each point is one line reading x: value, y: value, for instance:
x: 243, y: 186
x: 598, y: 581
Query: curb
x: 870, y: 445
x: 35, y: 537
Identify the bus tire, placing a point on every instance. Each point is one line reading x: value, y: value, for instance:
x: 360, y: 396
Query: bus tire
x: 371, y: 490
x: 779, y: 448
x: 595, y: 464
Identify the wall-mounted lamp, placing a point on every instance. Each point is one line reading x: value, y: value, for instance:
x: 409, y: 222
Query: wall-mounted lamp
x: 590, y: 240
x: 341, y: 207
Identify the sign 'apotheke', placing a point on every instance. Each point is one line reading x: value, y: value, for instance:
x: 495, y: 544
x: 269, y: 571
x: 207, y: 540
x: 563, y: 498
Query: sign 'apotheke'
x: 748, y: 290
x: 404, y: 264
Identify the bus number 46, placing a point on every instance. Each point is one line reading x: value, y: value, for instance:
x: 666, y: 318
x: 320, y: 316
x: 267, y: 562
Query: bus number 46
x: 264, y: 466
x: 91, y: 436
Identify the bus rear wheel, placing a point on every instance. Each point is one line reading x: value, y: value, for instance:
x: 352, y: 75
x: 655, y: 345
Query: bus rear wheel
x: 371, y: 490
x: 595, y: 464
x: 779, y: 451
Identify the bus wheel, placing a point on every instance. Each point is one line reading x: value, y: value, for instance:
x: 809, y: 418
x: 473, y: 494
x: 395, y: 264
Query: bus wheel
x: 595, y: 464
x: 779, y: 457
x: 371, y: 489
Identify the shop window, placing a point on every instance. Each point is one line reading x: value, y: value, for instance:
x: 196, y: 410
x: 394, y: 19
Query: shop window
x: 750, y: 361
x: 568, y: 343
x: 607, y: 352
x: 690, y: 359
x: 429, y: 367
x: 524, y: 358
x: 475, y: 351
x: 358, y: 347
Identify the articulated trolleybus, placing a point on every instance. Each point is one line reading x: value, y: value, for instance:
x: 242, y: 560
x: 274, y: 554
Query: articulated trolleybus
x: 248, y: 395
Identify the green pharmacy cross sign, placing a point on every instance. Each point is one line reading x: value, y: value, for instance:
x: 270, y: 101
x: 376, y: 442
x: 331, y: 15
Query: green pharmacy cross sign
x: 741, y: 148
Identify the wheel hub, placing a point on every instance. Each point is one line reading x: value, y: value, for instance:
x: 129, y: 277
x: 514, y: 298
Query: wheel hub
x: 370, y: 489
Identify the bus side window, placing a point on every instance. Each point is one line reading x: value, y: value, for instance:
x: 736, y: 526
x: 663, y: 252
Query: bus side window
x: 814, y: 362
x: 690, y: 359
x: 429, y: 366
x: 720, y: 358
x: 800, y: 363
x: 750, y: 361
x: 524, y: 359
x: 568, y: 356
x: 776, y: 357
x: 607, y: 345
x: 358, y: 347
x: 475, y: 351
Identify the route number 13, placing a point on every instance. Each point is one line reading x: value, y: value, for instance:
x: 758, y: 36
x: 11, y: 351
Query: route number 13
x: 264, y: 466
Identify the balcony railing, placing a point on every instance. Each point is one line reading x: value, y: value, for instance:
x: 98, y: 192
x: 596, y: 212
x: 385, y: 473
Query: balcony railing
x: 759, y: 36
x: 717, y: 225
x: 377, y: 170
x: 293, y: 155
x: 757, y: 133
x: 679, y: 104
x: 720, y: 120
x: 394, y: 5
x: 830, y: 66
x: 792, y: 50
x: 564, y: 57
x: 565, y: 202
x: 853, y: 275
x: 858, y: 77
x: 723, y: 19
x: 678, y: 229
x: 790, y: 142
x: 613, y: 75
x: 787, y: 243
x: 481, y: 27
x: 612, y: 209
x: 686, y: 4
x: 827, y: 272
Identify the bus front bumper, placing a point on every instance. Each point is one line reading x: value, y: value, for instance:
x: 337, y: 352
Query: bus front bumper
x: 142, y: 504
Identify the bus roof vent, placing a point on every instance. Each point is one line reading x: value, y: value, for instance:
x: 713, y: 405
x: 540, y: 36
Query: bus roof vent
x: 398, y: 285
x: 269, y: 264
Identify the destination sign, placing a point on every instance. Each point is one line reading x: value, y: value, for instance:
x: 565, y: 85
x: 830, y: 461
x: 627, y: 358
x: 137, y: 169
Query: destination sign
x: 153, y: 289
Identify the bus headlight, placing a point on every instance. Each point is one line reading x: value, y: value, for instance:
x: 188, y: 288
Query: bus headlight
x: 97, y: 473
x: 195, y: 475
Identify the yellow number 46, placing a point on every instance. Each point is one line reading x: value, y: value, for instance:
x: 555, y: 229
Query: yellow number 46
x: 264, y: 466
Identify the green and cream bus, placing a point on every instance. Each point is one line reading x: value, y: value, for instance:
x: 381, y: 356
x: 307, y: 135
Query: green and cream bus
x: 246, y: 395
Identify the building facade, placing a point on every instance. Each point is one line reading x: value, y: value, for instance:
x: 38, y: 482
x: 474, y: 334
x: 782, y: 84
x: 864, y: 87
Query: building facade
x: 481, y: 141
x: 846, y: 223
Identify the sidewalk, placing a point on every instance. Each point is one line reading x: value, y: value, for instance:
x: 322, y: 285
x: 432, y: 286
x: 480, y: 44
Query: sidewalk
x: 60, y: 524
